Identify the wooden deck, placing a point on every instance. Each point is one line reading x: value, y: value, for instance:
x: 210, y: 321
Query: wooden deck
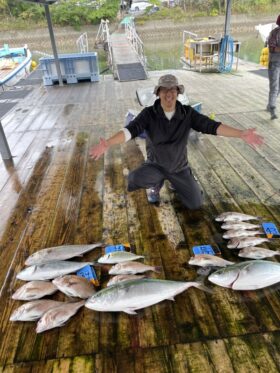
x: 54, y: 194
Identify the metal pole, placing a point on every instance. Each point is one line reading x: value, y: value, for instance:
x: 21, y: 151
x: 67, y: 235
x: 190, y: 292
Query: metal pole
x: 4, y: 147
x: 56, y: 60
x: 228, y: 15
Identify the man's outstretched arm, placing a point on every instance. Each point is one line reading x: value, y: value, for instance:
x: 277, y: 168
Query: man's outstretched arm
x: 249, y: 136
x: 98, y: 150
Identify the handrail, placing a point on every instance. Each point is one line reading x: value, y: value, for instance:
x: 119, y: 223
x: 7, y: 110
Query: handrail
x: 82, y: 43
x: 187, y: 34
x: 103, y: 37
x: 135, y: 41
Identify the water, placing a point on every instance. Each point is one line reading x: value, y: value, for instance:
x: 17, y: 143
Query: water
x: 162, y: 55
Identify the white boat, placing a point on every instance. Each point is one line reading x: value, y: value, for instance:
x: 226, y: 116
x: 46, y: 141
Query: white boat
x: 14, y: 65
x: 264, y: 30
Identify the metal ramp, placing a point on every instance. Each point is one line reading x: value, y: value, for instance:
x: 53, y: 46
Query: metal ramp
x: 125, y: 51
x: 131, y: 71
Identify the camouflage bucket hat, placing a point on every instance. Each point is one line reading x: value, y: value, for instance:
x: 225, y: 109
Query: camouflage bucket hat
x: 168, y: 81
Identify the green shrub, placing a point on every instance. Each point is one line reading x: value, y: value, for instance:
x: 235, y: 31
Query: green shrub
x: 67, y: 12
x: 214, y: 12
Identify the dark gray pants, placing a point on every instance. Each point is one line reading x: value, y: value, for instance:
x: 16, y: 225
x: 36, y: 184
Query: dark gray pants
x: 274, y: 82
x: 149, y: 175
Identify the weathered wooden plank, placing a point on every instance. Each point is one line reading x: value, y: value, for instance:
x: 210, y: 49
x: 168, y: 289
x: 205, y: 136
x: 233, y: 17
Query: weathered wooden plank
x: 63, y: 227
x: 34, y: 238
x: 61, y: 231
x: 235, y: 184
x: 18, y: 219
x: 257, y: 182
x: 244, y: 354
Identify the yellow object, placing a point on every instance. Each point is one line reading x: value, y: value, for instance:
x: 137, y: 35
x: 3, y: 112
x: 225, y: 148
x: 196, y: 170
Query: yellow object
x: 265, y: 51
x: 189, y: 52
x: 212, y: 116
x: 264, y: 58
x: 33, y: 64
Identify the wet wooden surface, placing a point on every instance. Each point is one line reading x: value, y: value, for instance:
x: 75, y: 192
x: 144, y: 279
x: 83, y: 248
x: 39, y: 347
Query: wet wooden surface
x: 52, y: 193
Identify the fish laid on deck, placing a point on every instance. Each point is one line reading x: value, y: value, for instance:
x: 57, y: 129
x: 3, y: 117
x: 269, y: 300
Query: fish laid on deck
x: 64, y: 252
x: 232, y: 216
x: 118, y: 257
x: 120, y: 278
x: 131, y: 268
x: 34, y: 290
x: 50, y: 270
x: 240, y: 233
x: 31, y: 311
x: 249, y: 275
x: 239, y: 225
x: 253, y: 252
x: 58, y: 316
x: 206, y: 260
x: 74, y: 286
x: 240, y: 243
x: 130, y: 296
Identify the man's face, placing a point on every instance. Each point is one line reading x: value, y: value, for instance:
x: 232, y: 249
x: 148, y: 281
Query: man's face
x: 168, y: 97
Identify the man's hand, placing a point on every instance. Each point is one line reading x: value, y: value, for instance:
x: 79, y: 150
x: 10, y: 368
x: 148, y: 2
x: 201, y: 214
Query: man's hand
x: 252, y: 138
x: 98, y: 150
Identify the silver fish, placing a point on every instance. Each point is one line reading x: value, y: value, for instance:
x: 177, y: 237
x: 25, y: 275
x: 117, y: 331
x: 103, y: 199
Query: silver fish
x: 240, y: 233
x: 239, y: 225
x: 240, y: 243
x: 58, y: 316
x: 235, y: 216
x: 118, y: 257
x: 129, y: 296
x: 31, y: 311
x: 34, y: 290
x: 254, y: 252
x: 206, y: 260
x: 53, y: 254
x: 50, y: 270
x: 249, y: 275
x: 74, y: 286
x: 131, y: 268
x: 120, y: 278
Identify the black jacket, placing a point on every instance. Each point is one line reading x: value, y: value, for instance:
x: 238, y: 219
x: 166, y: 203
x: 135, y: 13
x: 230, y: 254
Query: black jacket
x: 167, y: 139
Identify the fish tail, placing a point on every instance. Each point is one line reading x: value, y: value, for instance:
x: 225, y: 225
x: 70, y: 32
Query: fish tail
x: 97, y: 264
x: 201, y: 286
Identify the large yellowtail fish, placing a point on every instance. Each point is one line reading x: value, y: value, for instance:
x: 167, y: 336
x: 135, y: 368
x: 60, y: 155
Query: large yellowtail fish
x: 129, y: 296
x: 249, y: 275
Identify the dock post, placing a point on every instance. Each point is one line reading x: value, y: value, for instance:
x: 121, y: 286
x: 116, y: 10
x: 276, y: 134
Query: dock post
x: 4, y: 147
x: 56, y: 59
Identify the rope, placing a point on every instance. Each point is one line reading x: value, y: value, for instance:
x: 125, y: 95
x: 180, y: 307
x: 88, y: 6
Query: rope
x: 226, y: 54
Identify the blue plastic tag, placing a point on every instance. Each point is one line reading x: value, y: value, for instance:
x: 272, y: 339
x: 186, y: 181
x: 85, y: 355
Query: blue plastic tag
x: 270, y: 229
x: 203, y: 249
x: 89, y: 273
x: 110, y: 249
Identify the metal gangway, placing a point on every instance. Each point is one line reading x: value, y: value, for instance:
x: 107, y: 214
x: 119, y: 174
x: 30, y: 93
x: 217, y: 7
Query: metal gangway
x: 125, y: 50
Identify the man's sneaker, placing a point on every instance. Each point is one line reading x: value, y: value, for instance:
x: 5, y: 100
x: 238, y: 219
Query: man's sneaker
x: 273, y: 114
x: 153, y: 195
